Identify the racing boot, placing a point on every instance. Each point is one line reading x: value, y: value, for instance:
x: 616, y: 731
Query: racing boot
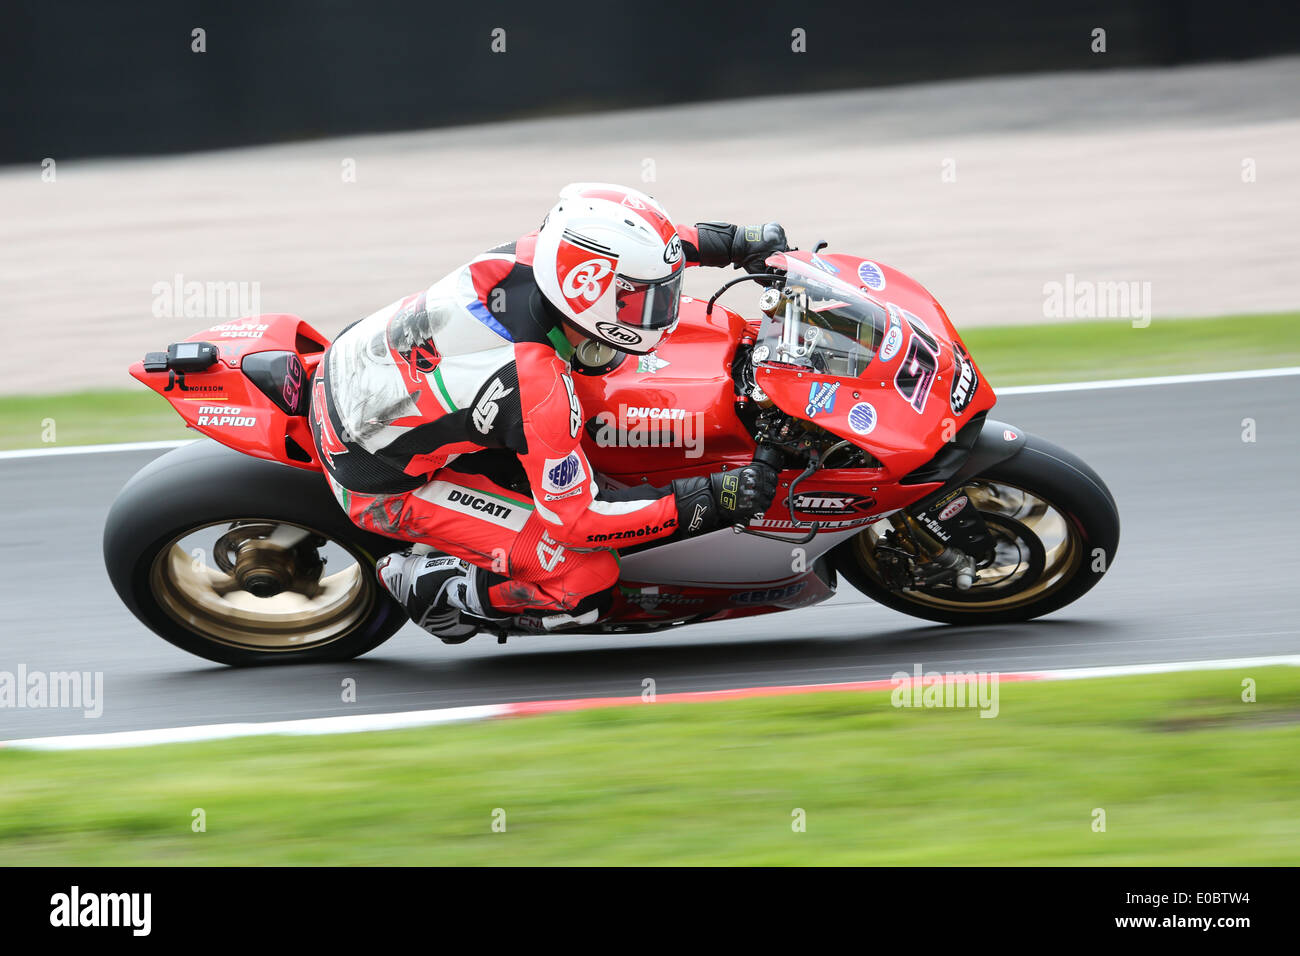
x: 434, y: 588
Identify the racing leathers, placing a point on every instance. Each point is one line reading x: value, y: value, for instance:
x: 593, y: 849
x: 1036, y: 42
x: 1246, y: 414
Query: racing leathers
x: 449, y: 418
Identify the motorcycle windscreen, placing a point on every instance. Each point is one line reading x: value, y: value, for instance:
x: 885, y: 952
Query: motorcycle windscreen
x: 648, y: 304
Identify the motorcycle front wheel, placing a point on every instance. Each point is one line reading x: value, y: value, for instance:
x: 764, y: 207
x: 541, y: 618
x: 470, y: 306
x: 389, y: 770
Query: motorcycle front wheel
x: 1055, y: 527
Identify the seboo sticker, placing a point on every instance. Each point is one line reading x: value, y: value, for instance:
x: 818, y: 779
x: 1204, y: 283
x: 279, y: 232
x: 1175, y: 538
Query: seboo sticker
x: 561, y: 474
x: 871, y: 276
x: 862, y: 418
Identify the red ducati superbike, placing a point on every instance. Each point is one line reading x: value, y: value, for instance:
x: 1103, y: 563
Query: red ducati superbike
x: 851, y: 381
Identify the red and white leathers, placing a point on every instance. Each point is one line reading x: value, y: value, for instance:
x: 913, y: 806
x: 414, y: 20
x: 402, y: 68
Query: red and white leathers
x: 449, y: 418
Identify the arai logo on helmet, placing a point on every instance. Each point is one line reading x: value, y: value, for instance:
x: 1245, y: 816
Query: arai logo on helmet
x: 618, y: 333
x: 871, y: 276
x: 673, y: 251
x: 632, y: 202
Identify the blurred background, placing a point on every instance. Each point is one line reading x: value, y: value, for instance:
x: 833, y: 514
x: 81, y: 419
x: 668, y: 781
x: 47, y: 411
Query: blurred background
x: 340, y: 156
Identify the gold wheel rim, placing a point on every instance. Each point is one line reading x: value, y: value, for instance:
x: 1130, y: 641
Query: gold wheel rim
x: 1062, y: 545
x: 209, y: 601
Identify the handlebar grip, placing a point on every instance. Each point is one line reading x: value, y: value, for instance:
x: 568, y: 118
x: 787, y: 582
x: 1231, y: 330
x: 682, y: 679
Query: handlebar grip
x: 768, y: 455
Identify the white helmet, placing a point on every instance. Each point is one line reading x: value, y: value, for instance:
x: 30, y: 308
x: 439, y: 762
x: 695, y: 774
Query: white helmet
x: 610, y: 260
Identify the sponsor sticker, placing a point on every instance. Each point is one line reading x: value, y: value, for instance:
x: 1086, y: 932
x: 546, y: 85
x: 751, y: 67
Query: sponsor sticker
x: 1009, y: 435
x: 618, y: 333
x: 821, y: 398
x: 499, y: 511
x: 894, y: 337
x: 952, y: 508
x: 826, y: 503
x: 222, y: 416
x: 650, y: 363
x: 769, y: 595
x: 965, y: 381
x: 649, y: 530
x: 561, y: 474
x: 871, y: 276
x: 825, y: 266
x: 862, y: 418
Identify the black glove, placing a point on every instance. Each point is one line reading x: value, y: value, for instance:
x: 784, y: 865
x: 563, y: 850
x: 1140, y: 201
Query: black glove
x: 726, y: 498
x: 722, y: 244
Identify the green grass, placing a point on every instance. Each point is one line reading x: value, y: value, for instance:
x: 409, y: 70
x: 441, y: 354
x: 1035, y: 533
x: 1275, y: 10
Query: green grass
x: 1008, y: 355
x: 88, y: 418
x: 1185, y: 771
x: 1083, y: 351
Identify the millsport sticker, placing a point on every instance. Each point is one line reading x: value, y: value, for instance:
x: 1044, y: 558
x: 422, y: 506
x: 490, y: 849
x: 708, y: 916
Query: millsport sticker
x: 821, y: 398
x: 871, y: 276
x: 862, y: 418
x: 561, y: 474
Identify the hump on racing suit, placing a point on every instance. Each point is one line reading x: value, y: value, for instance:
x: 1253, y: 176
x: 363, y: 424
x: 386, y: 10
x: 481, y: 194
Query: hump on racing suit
x: 476, y: 362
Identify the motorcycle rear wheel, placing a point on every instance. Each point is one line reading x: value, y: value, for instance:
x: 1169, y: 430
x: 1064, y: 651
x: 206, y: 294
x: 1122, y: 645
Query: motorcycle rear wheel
x: 244, y: 561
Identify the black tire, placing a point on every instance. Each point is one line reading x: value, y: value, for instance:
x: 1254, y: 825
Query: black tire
x: 207, y: 483
x: 1057, y: 476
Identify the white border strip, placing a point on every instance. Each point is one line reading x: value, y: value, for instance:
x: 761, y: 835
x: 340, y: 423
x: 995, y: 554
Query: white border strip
x: 313, y: 725
x: 95, y: 449
x: 1010, y: 390
x: 447, y: 715
x: 1155, y: 380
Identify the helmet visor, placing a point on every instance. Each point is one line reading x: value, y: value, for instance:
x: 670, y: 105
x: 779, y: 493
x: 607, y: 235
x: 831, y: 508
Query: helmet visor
x: 648, y: 304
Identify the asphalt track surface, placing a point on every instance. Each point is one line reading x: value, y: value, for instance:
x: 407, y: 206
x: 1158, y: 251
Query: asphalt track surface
x: 1206, y: 569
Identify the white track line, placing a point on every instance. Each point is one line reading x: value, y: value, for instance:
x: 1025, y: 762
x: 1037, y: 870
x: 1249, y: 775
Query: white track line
x: 313, y: 725
x: 1155, y: 380
x: 1011, y: 390
x: 446, y: 715
x: 94, y: 449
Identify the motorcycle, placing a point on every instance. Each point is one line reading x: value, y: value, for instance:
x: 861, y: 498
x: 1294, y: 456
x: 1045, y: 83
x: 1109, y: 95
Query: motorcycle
x: 851, y: 382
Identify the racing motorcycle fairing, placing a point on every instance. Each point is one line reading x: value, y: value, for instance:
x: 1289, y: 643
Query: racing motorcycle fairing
x: 254, y: 394
x: 875, y: 360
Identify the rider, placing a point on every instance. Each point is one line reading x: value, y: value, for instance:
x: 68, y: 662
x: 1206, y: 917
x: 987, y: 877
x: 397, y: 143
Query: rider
x: 449, y: 418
